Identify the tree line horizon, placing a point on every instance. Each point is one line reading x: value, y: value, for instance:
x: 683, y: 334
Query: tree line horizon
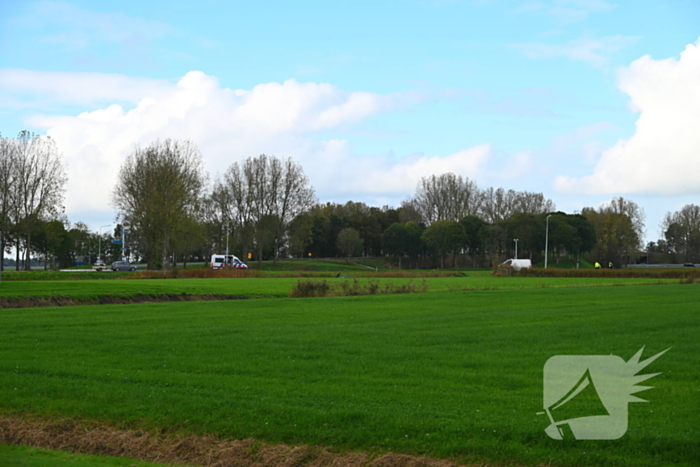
x: 265, y: 208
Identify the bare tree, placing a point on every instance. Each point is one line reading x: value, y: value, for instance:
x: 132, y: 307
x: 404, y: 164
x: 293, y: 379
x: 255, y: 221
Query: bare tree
x: 231, y: 208
x: 7, y: 176
x: 619, y: 228
x: 682, y: 231
x: 499, y: 205
x: 625, y: 207
x: 38, y: 184
x: 269, y: 193
x: 157, y: 190
x: 446, y: 197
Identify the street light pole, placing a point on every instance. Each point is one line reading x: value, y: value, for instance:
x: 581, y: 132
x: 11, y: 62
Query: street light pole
x: 516, y: 247
x: 228, y: 228
x: 546, y: 242
x: 99, y: 256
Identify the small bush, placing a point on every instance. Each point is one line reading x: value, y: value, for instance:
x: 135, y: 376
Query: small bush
x: 307, y: 288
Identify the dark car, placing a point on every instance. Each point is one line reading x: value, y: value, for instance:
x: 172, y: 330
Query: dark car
x: 689, y: 265
x: 123, y: 266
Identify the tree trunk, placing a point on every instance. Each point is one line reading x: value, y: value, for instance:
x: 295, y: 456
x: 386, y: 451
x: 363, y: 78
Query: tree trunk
x: 28, y: 259
x: 275, y: 251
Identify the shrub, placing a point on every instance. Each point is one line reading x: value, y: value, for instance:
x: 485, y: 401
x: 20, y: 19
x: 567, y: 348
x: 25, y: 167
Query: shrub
x: 307, y: 288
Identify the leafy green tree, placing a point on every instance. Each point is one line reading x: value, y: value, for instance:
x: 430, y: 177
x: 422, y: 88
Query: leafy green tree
x: 444, y: 237
x: 530, y: 232
x: 585, y: 238
x: 349, y: 242
x: 55, y: 244
x: 396, y: 240
x: 475, y: 229
x: 300, y: 234
x: 415, y: 246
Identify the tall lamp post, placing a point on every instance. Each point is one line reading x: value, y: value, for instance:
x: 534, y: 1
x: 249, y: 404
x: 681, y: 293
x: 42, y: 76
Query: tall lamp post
x: 546, y: 242
x: 228, y: 229
x: 516, y: 247
x: 99, y: 239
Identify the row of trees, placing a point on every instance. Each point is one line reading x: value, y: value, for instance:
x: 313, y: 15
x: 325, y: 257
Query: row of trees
x: 265, y: 207
x: 32, y: 186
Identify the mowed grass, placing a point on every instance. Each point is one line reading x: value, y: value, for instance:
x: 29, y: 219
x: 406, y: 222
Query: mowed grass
x: 24, y: 456
x: 453, y: 374
x: 280, y: 287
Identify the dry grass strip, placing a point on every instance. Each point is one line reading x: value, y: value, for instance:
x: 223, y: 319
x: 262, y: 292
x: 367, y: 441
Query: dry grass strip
x: 209, y: 451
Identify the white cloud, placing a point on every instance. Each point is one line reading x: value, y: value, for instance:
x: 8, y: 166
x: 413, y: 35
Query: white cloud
x: 663, y: 155
x: 593, y: 51
x: 285, y: 119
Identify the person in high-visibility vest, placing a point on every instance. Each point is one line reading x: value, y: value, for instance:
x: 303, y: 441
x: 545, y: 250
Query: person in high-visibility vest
x: 597, y: 265
x: 610, y: 265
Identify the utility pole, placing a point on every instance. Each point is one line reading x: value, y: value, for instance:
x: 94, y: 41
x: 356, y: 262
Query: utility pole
x: 546, y: 242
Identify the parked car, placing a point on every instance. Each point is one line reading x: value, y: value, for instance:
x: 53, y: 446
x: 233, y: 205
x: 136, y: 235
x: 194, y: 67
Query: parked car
x: 99, y: 265
x: 223, y: 261
x: 123, y: 266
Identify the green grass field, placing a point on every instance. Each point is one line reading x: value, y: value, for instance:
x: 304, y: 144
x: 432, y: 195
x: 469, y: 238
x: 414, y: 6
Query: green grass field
x: 279, y: 287
x: 23, y: 456
x: 450, y: 373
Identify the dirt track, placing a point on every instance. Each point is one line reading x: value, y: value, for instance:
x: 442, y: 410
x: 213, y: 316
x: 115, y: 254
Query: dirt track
x: 92, y: 438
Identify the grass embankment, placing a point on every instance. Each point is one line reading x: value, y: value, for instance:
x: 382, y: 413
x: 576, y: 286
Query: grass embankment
x: 66, y: 292
x: 446, y: 374
x: 625, y: 273
x: 11, y: 276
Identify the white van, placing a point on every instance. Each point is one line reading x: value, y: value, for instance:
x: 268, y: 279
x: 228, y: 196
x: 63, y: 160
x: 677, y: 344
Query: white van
x: 224, y: 261
x: 518, y: 264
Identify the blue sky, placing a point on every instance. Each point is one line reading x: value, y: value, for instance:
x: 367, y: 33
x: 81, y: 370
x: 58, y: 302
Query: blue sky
x: 583, y: 100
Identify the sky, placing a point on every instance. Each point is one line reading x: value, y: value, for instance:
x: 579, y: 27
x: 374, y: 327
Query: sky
x: 582, y: 100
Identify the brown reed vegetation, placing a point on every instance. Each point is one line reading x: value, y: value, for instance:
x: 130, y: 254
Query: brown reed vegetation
x: 196, y: 273
x: 309, y: 288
